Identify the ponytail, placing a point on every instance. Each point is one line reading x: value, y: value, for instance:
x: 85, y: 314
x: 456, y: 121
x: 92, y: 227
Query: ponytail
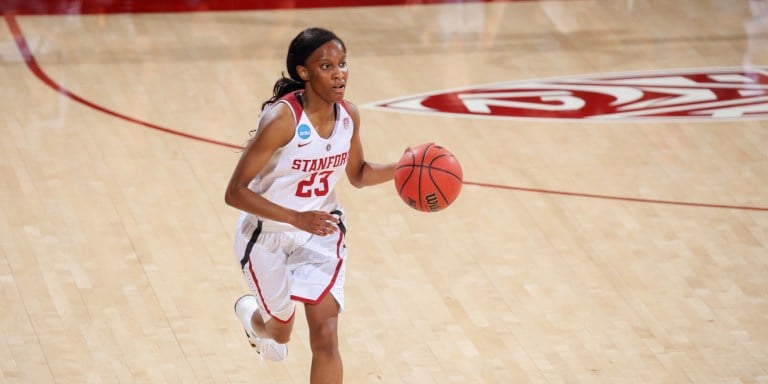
x: 283, y: 86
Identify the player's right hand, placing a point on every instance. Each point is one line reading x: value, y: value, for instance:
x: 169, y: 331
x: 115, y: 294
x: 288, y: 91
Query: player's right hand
x: 317, y: 222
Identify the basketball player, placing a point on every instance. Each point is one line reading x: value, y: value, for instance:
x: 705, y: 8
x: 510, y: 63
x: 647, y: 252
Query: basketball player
x: 290, y: 236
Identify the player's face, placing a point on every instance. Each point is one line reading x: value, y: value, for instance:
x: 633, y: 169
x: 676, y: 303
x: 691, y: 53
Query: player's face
x: 326, y: 71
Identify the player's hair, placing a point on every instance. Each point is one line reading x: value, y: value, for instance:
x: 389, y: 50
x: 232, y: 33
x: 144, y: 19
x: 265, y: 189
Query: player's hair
x: 302, y: 46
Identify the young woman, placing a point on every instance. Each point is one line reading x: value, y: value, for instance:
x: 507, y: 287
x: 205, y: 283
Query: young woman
x: 290, y: 235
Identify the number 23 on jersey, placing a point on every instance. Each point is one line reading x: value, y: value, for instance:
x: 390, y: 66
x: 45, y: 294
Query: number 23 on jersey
x: 314, y: 185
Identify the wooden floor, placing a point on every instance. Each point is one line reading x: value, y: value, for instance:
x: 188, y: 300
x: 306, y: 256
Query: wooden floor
x: 579, y: 251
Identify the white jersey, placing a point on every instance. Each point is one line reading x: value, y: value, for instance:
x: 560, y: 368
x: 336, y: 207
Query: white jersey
x: 302, y: 174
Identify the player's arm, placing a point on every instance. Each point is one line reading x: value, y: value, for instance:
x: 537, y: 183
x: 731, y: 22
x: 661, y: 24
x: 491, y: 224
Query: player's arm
x: 274, y: 131
x: 360, y: 172
x: 276, y: 128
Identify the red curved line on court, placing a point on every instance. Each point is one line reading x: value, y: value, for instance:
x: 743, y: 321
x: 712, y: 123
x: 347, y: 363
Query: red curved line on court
x: 29, y: 59
x: 606, y: 197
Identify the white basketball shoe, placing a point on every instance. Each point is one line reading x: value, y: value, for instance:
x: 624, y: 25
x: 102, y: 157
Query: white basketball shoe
x: 267, y: 348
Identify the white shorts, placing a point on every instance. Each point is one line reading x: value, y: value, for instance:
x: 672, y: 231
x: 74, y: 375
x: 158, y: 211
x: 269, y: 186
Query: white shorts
x: 283, y: 267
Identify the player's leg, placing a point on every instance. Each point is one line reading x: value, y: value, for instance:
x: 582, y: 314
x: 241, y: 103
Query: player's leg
x: 322, y: 319
x: 267, y: 313
x: 248, y: 311
x: 265, y: 346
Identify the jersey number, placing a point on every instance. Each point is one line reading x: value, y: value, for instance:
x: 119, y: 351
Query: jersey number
x: 316, y: 183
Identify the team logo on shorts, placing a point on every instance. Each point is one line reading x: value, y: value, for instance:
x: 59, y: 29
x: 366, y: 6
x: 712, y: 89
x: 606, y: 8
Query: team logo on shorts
x: 699, y: 94
x: 304, y: 131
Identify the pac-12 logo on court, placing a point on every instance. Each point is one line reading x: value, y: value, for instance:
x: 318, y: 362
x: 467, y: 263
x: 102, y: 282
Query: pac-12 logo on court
x: 709, y: 93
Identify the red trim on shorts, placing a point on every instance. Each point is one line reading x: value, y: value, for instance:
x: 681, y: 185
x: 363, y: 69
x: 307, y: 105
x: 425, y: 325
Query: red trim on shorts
x: 333, y: 280
x: 266, y: 308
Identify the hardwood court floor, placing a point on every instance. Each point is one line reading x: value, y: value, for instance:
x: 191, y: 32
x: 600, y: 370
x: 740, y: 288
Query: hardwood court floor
x: 579, y: 251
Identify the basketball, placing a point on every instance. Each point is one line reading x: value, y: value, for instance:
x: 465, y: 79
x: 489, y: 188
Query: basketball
x: 428, y: 177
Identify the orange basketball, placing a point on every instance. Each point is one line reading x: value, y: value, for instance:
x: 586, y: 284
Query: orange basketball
x: 428, y: 177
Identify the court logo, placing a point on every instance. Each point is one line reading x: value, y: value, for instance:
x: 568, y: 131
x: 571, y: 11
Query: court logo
x: 698, y: 94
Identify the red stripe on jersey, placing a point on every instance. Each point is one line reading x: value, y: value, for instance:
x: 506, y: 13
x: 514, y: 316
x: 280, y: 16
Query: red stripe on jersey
x: 293, y: 101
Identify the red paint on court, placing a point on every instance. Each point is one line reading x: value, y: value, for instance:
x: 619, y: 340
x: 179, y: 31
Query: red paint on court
x: 35, y: 7
x: 58, y: 7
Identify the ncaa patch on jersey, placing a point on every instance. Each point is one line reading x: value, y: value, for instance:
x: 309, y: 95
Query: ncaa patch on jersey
x: 304, y: 131
x: 687, y: 94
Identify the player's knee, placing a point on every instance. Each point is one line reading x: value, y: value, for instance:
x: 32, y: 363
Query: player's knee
x: 324, y: 338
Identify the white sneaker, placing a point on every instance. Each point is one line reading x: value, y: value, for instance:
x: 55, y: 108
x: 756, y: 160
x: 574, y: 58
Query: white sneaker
x: 265, y: 347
